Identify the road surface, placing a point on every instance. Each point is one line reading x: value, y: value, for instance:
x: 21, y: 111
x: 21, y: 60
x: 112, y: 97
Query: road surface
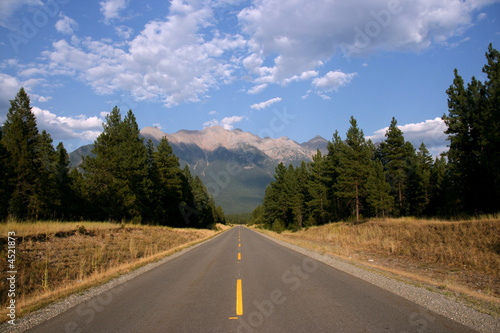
x: 243, y: 282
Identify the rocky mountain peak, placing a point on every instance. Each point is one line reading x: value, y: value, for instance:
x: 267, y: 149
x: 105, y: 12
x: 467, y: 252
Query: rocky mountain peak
x: 236, y: 166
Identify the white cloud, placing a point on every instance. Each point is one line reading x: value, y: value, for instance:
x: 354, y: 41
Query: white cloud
x: 66, y: 25
x: 40, y: 99
x: 263, y: 105
x: 210, y: 123
x: 169, y: 61
x: 213, y: 113
x: 430, y: 132
x: 226, y: 123
x: 481, y: 16
x: 9, y: 86
x: 299, y: 36
x: 124, y: 32
x: 333, y: 80
x: 304, y: 76
x: 257, y: 89
x: 64, y: 128
x: 111, y: 8
x: 181, y: 57
x: 157, y: 125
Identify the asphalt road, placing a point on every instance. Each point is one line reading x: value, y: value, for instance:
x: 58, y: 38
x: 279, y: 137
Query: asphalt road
x: 243, y: 282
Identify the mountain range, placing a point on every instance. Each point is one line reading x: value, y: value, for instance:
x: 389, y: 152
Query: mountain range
x: 234, y: 165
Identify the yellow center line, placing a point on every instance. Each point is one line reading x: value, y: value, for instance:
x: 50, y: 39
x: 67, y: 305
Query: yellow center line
x: 239, y: 256
x: 239, y: 299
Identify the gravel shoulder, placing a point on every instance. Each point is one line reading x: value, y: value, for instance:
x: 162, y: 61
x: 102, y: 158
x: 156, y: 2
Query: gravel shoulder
x: 428, y: 299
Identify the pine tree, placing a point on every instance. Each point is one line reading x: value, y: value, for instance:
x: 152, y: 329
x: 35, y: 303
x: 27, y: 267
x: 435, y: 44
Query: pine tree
x: 275, y: 205
x: 168, y: 181
x: 438, y: 204
x: 379, y: 190
x: 491, y: 153
x: 424, y: 170
x: 203, y: 203
x: 473, y: 123
x: 300, y: 195
x: 115, y: 176
x: 188, y: 207
x: 257, y: 215
x: 354, y: 167
x: 318, y: 192
x: 152, y: 204
x: 63, y: 182
x: 20, y: 139
x: 416, y: 186
x: 78, y: 202
x: 6, y: 178
x: 337, y: 205
x: 394, y: 152
x: 47, y: 195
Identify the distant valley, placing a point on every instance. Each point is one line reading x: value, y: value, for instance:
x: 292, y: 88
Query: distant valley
x: 235, y: 166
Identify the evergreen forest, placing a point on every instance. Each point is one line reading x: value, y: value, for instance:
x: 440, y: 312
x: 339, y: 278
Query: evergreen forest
x: 124, y: 180
x: 358, y: 179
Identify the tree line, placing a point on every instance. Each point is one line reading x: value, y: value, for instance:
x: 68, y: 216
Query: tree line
x: 359, y: 179
x: 124, y: 179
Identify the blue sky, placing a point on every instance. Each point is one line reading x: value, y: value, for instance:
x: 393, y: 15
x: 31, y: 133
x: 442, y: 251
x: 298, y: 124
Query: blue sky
x: 274, y: 68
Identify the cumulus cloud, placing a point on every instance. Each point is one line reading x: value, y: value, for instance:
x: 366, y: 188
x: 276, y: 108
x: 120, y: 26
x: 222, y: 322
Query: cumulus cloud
x: 181, y: 57
x: 124, y: 31
x: 112, y: 8
x: 168, y: 61
x: 226, y: 123
x: 257, y: 89
x: 263, y: 105
x: 299, y: 36
x: 66, y: 25
x: 430, y: 132
x: 9, y: 86
x: 333, y: 80
x: 64, y: 128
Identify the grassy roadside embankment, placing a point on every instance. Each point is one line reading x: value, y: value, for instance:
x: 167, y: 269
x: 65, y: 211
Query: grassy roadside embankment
x: 54, y: 260
x: 459, y: 259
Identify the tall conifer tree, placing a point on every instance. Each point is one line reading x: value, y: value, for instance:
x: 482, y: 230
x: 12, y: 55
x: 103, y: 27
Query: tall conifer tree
x: 393, y: 153
x: 379, y: 190
x: 354, y: 167
x: 20, y: 138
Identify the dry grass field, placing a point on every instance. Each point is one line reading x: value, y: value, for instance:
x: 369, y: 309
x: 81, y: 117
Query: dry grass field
x: 56, y: 259
x: 459, y: 258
